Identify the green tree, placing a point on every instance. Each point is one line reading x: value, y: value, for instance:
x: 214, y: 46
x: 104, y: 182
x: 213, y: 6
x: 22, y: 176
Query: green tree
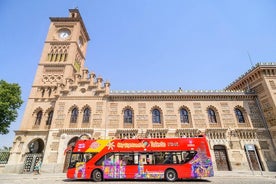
x: 5, y: 148
x: 10, y: 101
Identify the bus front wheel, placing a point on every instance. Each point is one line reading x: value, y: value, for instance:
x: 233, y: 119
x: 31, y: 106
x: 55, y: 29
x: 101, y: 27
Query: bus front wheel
x: 170, y: 175
x: 97, y: 175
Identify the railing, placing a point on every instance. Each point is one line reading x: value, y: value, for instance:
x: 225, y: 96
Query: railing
x: 4, y: 157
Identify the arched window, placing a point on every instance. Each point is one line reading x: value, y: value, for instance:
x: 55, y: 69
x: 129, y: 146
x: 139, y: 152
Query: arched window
x: 239, y: 115
x: 184, y: 116
x: 50, y: 117
x: 42, y: 92
x: 212, y: 116
x: 86, y: 115
x: 38, y: 118
x: 127, y: 116
x: 49, y: 91
x: 156, y: 116
x: 36, y: 146
x: 74, y: 115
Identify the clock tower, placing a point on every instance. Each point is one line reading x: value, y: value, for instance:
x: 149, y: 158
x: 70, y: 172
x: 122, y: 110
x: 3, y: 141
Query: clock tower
x: 64, y: 51
x: 61, y: 64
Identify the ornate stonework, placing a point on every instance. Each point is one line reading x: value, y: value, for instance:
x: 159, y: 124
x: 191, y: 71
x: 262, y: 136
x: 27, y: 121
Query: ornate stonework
x: 67, y: 102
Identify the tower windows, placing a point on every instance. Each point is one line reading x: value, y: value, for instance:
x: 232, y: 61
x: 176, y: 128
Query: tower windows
x: 127, y: 116
x: 42, y: 92
x: 50, y: 117
x: 74, y: 115
x: 58, y: 53
x: 38, y: 118
x: 49, y: 91
x: 86, y: 115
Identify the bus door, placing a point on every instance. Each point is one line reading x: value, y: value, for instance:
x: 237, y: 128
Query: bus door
x: 130, y: 161
x: 150, y: 166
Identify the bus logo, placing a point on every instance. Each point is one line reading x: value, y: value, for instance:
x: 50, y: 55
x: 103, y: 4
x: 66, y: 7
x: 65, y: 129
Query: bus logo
x: 94, y: 145
x: 110, y: 145
x: 146, y: 144
x: 156, y: 144
x: 81, y: 146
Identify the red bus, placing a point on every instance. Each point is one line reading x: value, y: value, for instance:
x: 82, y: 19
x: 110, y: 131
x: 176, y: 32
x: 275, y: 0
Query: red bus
x: 160, y: 158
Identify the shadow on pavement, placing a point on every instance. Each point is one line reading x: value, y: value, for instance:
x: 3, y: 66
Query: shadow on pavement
x: 137, y: 181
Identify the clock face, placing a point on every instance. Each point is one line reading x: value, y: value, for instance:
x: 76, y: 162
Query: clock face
x: 64, y: 33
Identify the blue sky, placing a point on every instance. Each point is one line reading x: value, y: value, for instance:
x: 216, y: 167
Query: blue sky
x: 144, y: 44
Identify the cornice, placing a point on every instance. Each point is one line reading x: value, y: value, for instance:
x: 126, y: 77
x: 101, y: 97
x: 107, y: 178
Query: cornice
x: 180, y: 96
x: 81, y: 98
x: 59, y: 65
x: 59, y: 42
x: 30, y: 131
x: 76, y: 130
x: 194, y: 130
x: 124, y: 130
x: 216, y: 130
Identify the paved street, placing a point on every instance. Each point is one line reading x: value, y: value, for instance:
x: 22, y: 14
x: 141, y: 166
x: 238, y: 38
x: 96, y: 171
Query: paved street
x: 221, y: 177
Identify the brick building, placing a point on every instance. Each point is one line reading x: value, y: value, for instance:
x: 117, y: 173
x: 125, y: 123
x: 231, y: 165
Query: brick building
x: 67, y: 102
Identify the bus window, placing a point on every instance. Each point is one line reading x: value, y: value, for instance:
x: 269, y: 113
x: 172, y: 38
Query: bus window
x: 88, y: 156
x: 158, y: 157
x: 149, y: 158
x: 106, y: 159
x: 188, y: 155
x: 129, y: 158
x: 123, y: 158
x: 136, y: 158
x: 168, y: 159
x: 115, y: 158
x: 75, y: 157
x: 80, y: 157
x: 177, y: 158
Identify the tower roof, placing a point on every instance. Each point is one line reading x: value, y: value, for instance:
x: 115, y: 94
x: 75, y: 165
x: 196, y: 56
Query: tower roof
x: 74, y: 16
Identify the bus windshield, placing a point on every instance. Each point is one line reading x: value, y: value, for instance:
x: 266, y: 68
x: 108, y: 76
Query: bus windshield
x: 80, y: 157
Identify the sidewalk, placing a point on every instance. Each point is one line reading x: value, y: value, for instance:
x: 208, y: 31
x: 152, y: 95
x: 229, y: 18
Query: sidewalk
x: 245, y: 174
x: 229, y: 174
x: 31, y: 175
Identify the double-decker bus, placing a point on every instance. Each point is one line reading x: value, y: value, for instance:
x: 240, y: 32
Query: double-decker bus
x: 144, y: 158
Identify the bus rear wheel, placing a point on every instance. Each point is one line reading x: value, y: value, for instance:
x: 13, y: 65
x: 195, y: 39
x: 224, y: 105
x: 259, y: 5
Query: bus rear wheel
x: 97, y: 175
x: 170, y: 175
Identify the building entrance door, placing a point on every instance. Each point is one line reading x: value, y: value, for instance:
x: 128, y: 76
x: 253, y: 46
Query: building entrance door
x: 253, y: 158
x: 35, y: 153
x: 221, y: 158
x: 30, y: 160
x: 254, y: 161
